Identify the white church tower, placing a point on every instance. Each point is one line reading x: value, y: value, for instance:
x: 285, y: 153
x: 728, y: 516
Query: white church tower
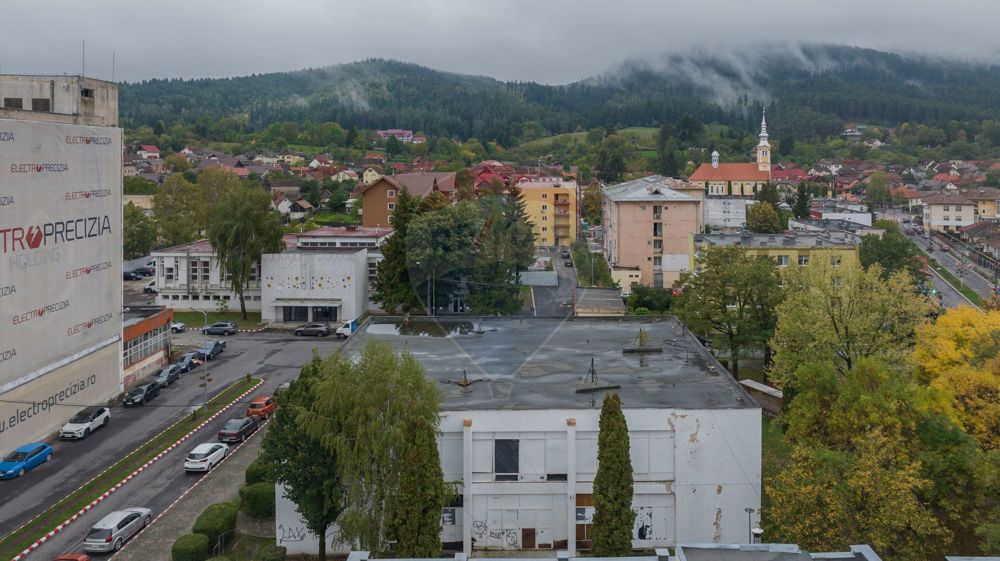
x: 763, y: 147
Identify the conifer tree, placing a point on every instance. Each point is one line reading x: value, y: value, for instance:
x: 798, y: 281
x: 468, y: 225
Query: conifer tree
x: 392, y: 285
x: 613, y: 514
x: 416, y: 510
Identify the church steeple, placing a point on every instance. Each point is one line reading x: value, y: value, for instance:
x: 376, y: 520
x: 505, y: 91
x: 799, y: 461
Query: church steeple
x: 763, y: 147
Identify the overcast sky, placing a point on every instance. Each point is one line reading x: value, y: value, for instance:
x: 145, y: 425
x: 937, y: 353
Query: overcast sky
x: 549, y: 41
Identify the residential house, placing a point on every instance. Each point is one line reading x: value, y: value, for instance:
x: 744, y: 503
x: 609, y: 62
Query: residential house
x: 552, y: 207
x: 378, y: 199
x: 129, y: 169
x: 948, y: 211
x: 647, y: 226
x: 145, y: 202
x: 401, y: 135
x: 345, y: 175
x: 986, y: 199
x: 370, y: 175
x: 147, y: 151
x: 321, y: 161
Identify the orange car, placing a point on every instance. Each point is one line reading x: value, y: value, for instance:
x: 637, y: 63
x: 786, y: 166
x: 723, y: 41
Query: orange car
x: 262, y: 406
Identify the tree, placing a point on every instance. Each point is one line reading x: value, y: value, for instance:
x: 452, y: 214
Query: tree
x: 843, y: 312
x: 441, y: 248
x: 243, y: 228
x: 611, y: 159
x: 876, y: 192
x: 393, y: 287
x: 392, y: 147
x: 177, y: 163
x: 364, y: 413
x: 494, y: 287
x: 416, y: 508
x: 522, y: 229
x: 613, y: 514
x: 177, y: 212
x: 593, y: 204
x: 298, y: 461
x: 800, y: 205
x: 351, y: 138
x: 138, y: 186
x: 762, y: 218
x: 893, y: 251
x: 768, y: 193
x: 139, y: 232
x: 733, y: 296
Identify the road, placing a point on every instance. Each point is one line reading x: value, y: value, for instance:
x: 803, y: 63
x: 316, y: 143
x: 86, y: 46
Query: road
x: 276, y: 357
x: 951, y: 260
x: 556, y: 301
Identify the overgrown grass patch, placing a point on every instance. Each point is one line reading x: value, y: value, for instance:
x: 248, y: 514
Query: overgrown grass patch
x: 196, y: 320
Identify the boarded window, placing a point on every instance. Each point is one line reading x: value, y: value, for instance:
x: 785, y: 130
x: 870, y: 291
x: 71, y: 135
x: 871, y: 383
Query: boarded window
x: 40, y: 104
x: 505, y: 460
x: 13, y: 103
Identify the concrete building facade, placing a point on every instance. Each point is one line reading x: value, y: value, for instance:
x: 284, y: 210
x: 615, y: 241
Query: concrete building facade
x: 60, y: 99
x: 321, y: 284
x: 188, y: 276
x: 790, y: 249
x: 552, y: 205
x: 647, y: 228
x: 948, y: 211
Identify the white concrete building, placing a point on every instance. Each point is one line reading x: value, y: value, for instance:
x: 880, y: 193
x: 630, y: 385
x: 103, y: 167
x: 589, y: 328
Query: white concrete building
x: 520, y: 442
x: 349, y: 236
x: 188, y: 277
x: 60, y: 99
x: 316, y: 284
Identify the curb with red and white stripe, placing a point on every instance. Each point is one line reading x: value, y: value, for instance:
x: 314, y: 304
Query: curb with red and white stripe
x: 132, y: 475
x: 252, y: 330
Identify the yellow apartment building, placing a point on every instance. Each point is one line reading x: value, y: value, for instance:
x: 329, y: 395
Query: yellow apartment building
x: 551, y: 205
x: 790, y: 249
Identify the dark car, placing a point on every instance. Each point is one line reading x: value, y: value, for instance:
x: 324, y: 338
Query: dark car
x: 168, y: 375
x: 189, y: 361
x: 564, y: 255
x: 317, y: 329
x: 211, y: 349
x: 568, y: 263
x: 220, y: 328
x: 140, y: 395
x: 237, y: 430
x: 131, y: 275
x: 144, y: 271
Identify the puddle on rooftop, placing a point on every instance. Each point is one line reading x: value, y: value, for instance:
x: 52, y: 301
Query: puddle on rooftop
x: 423, y: 328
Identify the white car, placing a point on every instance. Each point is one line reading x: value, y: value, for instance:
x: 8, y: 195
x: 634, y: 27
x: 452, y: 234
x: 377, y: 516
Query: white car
x: 206, y: 456
x: 178, y: 326
x: 150, y: 287
x: 112, y: 531
x: 85, y: 422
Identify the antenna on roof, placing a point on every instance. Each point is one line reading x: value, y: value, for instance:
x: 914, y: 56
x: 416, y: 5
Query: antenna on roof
x: 590, y: 383
x: 83, y: 63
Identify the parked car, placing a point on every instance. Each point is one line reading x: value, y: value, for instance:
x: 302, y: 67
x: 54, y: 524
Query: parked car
x: 72, y: 557
x: 220, y: 328
x: 140, y: 395
x: 211, y: 349
x: 150, y: 287
x: 206, y: 456
x: 317, y: 329
x: 568, y: 263
x: 112, y: 531
x: 261, y: 407
x: 168, y: 375
x: 945, y: 248
x: 145, y: 271
x: 344, y: 331
x: 237, y: 430
x: 25, y: 459
x: 178, y: 327
x: 85, y: 422
x: 189, y: 361
x: 131, y: 276
x: 564, y: 255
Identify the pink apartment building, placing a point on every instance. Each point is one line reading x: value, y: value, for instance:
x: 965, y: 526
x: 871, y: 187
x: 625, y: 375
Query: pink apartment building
x: 648, y: 224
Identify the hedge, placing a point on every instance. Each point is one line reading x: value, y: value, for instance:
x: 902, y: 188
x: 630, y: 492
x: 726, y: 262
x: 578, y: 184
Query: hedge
x: 271, y: 552
x: 216, y: 521
x: 258, y: 500
x: 190, y: 547
x: 256, y: 473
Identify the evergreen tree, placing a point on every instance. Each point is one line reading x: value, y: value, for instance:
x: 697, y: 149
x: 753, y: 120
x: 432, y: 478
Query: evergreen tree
x: 351, y: 138
x: 393, y: 287
x: 800, y: 205
x: 522, y: 229
x: 613, y: 514
x: 768, y: 194
x: 494, y: 280
x: 416, y: 509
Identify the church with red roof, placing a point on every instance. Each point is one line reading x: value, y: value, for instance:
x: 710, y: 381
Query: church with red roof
x: 736, y: 179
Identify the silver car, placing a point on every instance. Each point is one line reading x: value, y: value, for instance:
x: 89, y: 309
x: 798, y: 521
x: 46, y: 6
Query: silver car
x: 116, y: 528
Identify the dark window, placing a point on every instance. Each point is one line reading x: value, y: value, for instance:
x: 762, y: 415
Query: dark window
x: 87, y: 92
x: 40, y: 104
x: 505, y: 454
x: 555, y: 477
x: 295, y: 313
x: 13, y: 103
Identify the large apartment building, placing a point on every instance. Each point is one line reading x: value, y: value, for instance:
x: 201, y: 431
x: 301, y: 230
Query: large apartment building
x: 552, y: 206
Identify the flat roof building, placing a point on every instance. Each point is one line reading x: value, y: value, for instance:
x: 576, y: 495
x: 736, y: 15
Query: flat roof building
x: 59, y: 98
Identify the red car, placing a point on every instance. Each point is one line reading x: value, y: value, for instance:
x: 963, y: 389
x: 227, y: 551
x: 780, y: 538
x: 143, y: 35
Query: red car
x: 262, y: 406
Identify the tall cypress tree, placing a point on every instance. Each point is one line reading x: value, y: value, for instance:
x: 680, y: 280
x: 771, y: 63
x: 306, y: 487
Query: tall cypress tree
x: 416, y: 510
x: 613, y: 514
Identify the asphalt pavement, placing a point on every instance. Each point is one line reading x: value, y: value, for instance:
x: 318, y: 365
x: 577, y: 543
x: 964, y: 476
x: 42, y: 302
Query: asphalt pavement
x: 556, y: 301
x: 276, y: 357
x: 949, y: 260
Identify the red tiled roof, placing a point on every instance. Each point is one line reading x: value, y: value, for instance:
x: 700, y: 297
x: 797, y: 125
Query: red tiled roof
x: 344, y: 231
x: 149, y: 148
x: 729, y: 172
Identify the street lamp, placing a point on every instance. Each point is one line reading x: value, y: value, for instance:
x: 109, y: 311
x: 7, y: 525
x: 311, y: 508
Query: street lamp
x: 204, y: 313
x: 749, y: 511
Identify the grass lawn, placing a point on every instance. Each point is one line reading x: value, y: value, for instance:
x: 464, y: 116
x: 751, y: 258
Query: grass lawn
x: 18, y: 541
x: 582, y: 262
x: 195, y: 320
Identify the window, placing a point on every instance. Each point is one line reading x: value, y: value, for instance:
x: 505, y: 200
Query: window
x: 782, y: 260
x: 390, y: 194
x: 87, y: 92
x: 835, y: 260
x: 836, y: 282
x: 657, y: 261
x: 505, y: 456
x: 13, y: 103
x: 947, y: 218
x: 40, y: 104
x: 958, y: 208
x: 657, y: 229
x: 545, y: 195
x: 803, y: 260
x: 545, y: 228
x: 657, y: 244
x: 657, y: 211
x: 169, y: 272
x: 545, y: 219
x: 947, y: 208
x: 392, y: 206
x: 545, y: 207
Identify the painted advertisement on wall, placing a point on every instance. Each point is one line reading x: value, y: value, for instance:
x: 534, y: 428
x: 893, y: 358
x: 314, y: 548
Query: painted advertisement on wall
x: 60, y: 247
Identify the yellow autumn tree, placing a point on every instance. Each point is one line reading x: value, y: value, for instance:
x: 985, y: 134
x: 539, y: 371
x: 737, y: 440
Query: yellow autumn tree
x: 958, y: 355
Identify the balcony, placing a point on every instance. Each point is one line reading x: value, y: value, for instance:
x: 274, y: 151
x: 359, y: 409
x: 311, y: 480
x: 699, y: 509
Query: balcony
x: 561, y: 202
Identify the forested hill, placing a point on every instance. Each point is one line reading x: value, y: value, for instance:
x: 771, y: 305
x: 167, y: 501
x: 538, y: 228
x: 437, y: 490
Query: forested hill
x: 811, y: 91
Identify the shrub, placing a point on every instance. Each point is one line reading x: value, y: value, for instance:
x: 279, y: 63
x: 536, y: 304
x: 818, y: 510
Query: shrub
x: 256, y: 473
x: 219, y: 558
x: 190, y: 547
x: 258, y: 500
x: 216, y: 521
x: 271, y: 552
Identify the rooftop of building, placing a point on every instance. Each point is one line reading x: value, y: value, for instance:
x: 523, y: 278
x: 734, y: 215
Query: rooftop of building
x: 948, y: 198
x: 539, y: 363
x: 652, y: 188
x: 347, y: 231
x: 135, y: 315
x: 603, y: 301
x: 729, y: 172
x: 833, y: 224
x: 791, y: 239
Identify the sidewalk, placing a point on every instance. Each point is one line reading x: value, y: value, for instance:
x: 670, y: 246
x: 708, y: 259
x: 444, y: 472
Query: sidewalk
x: 220, y: 485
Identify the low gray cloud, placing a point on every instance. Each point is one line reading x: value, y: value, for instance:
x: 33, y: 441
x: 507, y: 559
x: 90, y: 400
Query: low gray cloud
x: 549, y: 41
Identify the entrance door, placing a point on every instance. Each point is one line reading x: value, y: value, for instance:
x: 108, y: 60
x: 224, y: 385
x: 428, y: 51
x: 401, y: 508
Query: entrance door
x: 292, y: 314
x: 325, y: 313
